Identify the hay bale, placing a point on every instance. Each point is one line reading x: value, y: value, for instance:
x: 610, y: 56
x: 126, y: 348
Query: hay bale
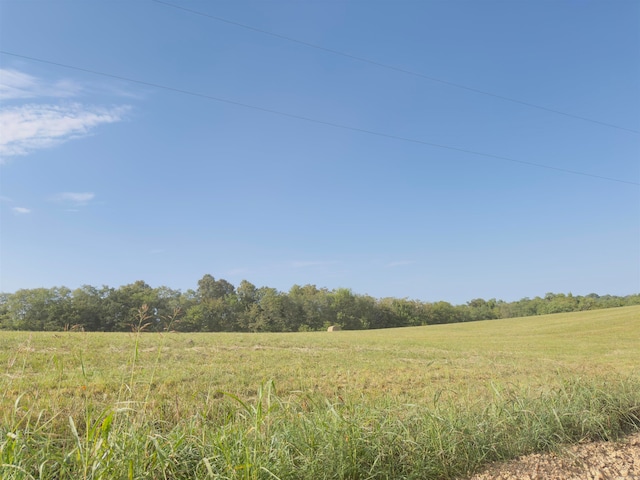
x: 334, y: 328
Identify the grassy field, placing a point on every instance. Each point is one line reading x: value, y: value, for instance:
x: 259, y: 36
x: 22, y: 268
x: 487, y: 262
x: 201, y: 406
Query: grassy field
x: 425, y: 402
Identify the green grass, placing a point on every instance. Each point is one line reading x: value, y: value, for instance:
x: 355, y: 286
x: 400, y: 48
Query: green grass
x: 424, y: 402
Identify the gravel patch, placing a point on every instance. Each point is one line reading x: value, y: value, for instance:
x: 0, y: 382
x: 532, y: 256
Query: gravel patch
x: 589, y: 461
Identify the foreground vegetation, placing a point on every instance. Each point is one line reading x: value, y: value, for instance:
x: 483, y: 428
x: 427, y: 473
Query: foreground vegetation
x: 422, y: 402
x: 218, y: 306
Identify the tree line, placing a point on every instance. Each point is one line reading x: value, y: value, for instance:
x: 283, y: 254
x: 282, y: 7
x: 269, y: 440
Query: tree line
x: 219, y: 306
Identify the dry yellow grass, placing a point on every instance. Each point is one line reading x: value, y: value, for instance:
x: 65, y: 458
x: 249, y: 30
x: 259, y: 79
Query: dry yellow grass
x: 424, y: 402
x: 413, y: 363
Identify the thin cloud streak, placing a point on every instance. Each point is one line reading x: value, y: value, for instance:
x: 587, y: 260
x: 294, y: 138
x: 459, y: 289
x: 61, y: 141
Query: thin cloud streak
x: 75, y: 198
x: 32, y: 127
x: 21, y: 210
x: 400, y: 263
x: 19, y: 85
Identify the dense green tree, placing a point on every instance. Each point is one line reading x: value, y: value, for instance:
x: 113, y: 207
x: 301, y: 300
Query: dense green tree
x: 443, y: 312
x: 193, y: 320
x: 480, y: 309
x: 269, y: 314
x: 247, y: 296
x: 210, y: 288
x: 403, y: 313
x: 125, y: 302
x: 217, y: 306
x: 312, y: 306
x: 559, y: 303
x: 38, y: 309
x: 5, y: 316
x: 88, y: 308
x: 344, y: 306
x: 522, y: 308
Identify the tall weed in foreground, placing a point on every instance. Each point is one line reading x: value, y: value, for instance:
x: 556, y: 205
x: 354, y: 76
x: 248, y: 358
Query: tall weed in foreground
x: 143, y: 431
x: 309, y: 436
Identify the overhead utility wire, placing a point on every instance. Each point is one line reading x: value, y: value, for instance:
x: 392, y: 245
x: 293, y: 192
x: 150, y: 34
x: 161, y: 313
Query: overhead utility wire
x: 314, y: 120
x: 391, y: 67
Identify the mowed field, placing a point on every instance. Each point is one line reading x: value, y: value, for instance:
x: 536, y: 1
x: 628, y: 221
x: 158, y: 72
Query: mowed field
x: 426, y: 402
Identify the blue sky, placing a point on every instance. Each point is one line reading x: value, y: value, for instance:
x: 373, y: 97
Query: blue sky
x: 106, y: 180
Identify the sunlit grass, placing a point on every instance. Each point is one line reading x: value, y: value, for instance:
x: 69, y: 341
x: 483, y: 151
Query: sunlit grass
x: 424, y: 402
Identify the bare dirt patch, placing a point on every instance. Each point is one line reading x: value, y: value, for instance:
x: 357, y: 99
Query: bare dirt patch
x: 588, y: 461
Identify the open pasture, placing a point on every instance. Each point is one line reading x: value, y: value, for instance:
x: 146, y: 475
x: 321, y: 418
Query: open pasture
x: 424, y: 402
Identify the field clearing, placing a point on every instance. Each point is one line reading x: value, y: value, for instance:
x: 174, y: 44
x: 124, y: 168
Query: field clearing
x: 410, y: 362
x: 179, y: 383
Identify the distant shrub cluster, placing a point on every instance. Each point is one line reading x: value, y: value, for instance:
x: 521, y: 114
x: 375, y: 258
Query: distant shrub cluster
x: 219, y: 306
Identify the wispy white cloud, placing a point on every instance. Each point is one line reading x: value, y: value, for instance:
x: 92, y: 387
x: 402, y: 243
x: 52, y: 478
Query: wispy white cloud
x: 26, y: 128
x: 400, y: 263
x: 27, y: 124
x: 74, y: 198
x: 21, y: 210
x: 19, y: 85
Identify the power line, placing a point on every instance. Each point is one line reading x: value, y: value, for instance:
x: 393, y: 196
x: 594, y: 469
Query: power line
x: 315, y: 120
x: 391, y: 67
